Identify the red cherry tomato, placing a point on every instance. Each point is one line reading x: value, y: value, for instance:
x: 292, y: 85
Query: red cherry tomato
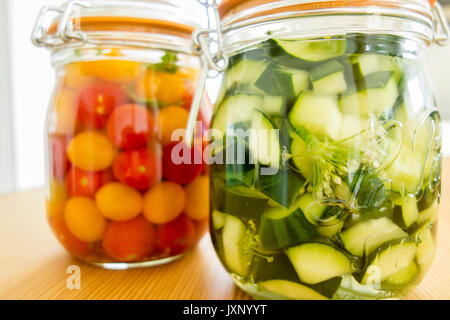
x: 139, y: 169
x: 58, y: 155
x: 182, y: 164
x: 129, y: 240
x: 130, y: 126
x: 80, y: 183
x: 97, y: 101
x: 176, y: 236
x: 72, y: 244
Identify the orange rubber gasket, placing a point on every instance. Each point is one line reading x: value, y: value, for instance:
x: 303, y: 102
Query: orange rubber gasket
x: 232, y: 7
x: 127, y: 24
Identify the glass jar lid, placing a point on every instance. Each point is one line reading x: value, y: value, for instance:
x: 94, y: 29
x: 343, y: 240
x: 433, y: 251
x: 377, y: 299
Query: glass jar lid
x: 241, y: 13
x: 117, y: 22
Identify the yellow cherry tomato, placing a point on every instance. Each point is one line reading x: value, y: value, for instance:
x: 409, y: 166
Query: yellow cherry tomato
x: 63, y: 120
x: 171, y: 89
x: 84, y: 219
x: 164, y: 202
x: 74, y: 77
x: 119, y: 202
x: 170, y: 119
x: 166, y: 88
x: 112, y: 69
x: 91, y: 151
x: 197, y: 198
x: 56, y: 199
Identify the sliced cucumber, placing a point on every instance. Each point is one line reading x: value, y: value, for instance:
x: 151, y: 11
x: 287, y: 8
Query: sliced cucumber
x: 318, y: 113
x: 313, y: 50
x: 281, y: 188
x: 218, y: 219
x: 311, y: 207
x: 328, y: 78
x: 367, y: 235
x: 272, y: 266
x: 351, y: 128
x: 281, y: 228
x: 283, y: 81
x: 405, y: 211
x: 317, y: 262
x: 367, y: 64
x: 239, y: 201
x: 405, y: 172
x: 234, y: 109
x: 375, y: 94
x: 234, y: 237
x: 290, y: 290
x: 389, y: 259
x: 426, y: 247
x: 245, y: 72
x: 404, y: 276
x: 273, y: 105
x: 428, y: 215
x: 264, y: 143
x: 300, y: 157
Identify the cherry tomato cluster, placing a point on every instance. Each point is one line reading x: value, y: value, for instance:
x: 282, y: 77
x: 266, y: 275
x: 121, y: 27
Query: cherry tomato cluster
x: 117, y: 193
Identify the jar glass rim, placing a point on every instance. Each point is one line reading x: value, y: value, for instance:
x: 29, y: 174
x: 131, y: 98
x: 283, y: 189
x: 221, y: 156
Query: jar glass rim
x: 235, y: 12
x: 80, y: 22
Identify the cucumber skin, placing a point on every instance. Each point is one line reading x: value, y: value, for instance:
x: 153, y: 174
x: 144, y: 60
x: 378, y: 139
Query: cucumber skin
x: 371, y: 258
x: 288, y: 231
x: 237, y: 204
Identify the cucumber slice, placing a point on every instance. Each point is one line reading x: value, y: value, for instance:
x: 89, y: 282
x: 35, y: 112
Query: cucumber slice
x: 389, y: 259
x: 313, y: 50
x: 239, y: 201
x: 264, y: 143
x: 234, y: 238
x: 405, y: 211
x: 218, y: 219
x: 245, y: 72
x: 428, y: 215
x: 290, y: 290
x: 274, y: 105
x: 376, y: 94
x: 234, y: 109
x: 286, y: 81
x: 367, y: 64
x: 404, y: 276
x: 317, y: 262
x: 351, y: 128
x: 318, y: 113
x: 405, y: 172
x: 367, y: 235
x: 281, y: 188
x: 328, y: 78
x: 273, y: 266
x: 312, y: 209
x: 426, y: 248
x: 300, y: 157
x: 281, y: 228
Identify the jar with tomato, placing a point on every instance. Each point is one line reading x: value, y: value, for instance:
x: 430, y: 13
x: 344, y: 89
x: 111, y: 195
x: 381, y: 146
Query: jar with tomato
x: 117, y: 197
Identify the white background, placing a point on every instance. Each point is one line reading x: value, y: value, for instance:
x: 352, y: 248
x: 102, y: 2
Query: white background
x: 28, y: 77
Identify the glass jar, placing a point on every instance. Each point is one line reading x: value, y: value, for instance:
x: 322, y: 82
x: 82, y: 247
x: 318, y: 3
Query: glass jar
x: 126, y: 72
x: 326, y: 153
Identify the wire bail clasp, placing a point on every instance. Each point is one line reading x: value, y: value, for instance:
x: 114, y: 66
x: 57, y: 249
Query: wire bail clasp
x: 212, y: 59
x: 65, y: 32
x: 441, y: 28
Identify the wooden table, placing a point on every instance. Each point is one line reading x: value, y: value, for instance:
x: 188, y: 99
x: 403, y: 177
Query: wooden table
x: 34, y: 265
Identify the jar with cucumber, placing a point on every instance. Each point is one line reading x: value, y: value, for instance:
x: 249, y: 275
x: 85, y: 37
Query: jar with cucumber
x: 332, y: 191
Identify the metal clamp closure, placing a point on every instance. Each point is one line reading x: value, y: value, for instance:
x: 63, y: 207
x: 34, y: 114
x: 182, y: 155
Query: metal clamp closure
x: 441, y: 28
x: 65, y: 32
x: 212, y: 60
